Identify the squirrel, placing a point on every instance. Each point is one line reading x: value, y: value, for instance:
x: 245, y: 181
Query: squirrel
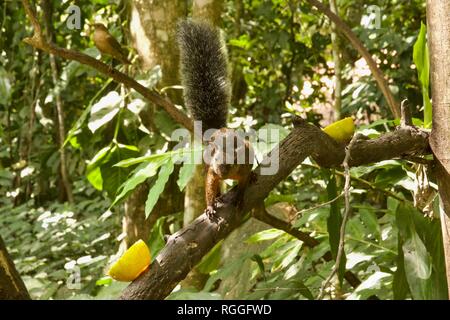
x: 207, y: 93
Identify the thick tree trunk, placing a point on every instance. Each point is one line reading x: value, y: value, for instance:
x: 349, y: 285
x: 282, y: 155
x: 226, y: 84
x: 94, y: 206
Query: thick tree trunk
x: 11, y: 284
x: 153, y: 31
x: 337, y: 65
x: 194, y: 199
x: 153, y: 25
x: 209, y: 10
x: 439, y: 44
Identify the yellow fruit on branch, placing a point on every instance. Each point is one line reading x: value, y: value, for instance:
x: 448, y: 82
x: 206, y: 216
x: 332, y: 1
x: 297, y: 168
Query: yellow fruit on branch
x: 342, y: 130
x: 132, y: 263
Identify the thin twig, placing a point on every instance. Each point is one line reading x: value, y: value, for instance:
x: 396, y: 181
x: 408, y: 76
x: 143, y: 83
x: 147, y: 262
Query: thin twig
x: 364, y: 182
x: 320, y: 205
x: 347, y: 185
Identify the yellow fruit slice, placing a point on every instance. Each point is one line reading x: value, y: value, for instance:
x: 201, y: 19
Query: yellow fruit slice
x: 132, y: 263
x: 342, y: 130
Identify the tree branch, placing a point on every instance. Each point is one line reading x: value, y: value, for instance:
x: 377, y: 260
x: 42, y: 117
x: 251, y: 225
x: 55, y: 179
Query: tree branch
x: 38, y: 41
x: 186, y: 247
x: 347, y: 209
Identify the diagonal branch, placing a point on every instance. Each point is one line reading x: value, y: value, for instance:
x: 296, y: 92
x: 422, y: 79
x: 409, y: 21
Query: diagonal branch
x: 38, y: 41
x: 186, y: 247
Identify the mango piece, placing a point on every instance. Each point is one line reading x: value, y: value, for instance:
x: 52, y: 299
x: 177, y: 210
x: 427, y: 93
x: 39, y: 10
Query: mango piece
x: 132, y: 263
x: 342, y: 130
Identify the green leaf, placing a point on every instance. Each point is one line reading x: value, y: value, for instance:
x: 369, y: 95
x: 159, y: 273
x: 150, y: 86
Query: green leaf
x: 389, y: 177
x: 104, y: 111
x: 226, y: 270
x: 291, y: 254
x: 129, y: 147
x: 164, y: 123
x: 132, y: 161
x: 274, y: 198
x: 422, y: 62
x: 187, y: 170
x: 156, y: 190
x: 304, y: 290
x: 93, y: 173
x: 94, y: 176
x: 428, y: 108
x: 139, y: 175
x: 400, y: 283
x: 76, y: 128
x: 264, y: 235
x: 177, y: 154
x: 371, y: 286
x: 156, y: 239
x: 370, y: 221
x: 259, y: 261
x: 112, y: 176
x: 105, y: 281
x: 417, y: 261
x: 430, y: 233
x: 211, y: 261
x: 242, y: 42
x: 334, y: 222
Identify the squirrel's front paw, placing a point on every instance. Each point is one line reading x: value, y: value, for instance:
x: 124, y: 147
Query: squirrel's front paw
x: 210, y: 211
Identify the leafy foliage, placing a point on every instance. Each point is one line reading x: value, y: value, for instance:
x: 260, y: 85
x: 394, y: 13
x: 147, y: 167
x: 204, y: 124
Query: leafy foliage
x: 281, y: 58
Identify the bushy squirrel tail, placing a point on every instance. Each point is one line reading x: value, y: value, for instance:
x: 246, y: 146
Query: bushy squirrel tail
x: 204, y: 73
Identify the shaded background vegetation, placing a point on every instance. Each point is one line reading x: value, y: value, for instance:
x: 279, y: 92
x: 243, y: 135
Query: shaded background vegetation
x: 282, y: 63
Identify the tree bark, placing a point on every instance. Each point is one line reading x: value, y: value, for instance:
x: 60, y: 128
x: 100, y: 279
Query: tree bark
x: 152, y: 28
x: 11, y: 284
x: 337, y: 64
x: 194, y: 199
x: 209, y: 10
x: 153, y: 25
x: 439, y: 44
